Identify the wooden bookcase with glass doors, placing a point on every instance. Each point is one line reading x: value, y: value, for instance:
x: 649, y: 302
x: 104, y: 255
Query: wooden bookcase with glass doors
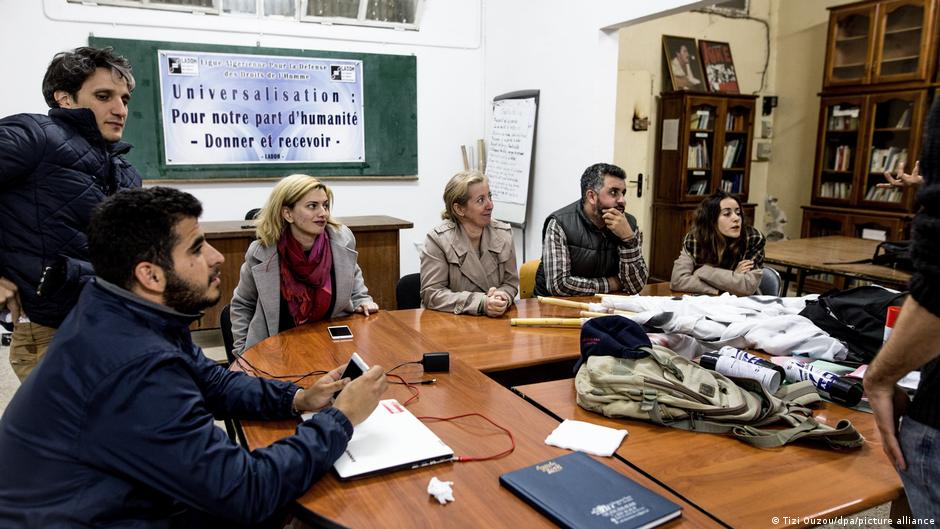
x: 704, y: 145
x: 878, y: 84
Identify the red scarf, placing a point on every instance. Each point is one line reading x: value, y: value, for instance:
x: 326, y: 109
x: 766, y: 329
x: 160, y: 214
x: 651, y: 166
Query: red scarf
x: 305, y: 279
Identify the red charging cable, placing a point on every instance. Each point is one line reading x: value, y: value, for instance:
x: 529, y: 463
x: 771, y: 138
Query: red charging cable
x: 462, y: 459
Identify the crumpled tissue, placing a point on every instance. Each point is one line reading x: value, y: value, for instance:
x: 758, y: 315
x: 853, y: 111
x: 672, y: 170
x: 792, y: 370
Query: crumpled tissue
x: 442, y: 490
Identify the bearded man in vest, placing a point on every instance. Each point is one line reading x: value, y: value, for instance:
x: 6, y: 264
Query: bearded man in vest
x: 593, y: 245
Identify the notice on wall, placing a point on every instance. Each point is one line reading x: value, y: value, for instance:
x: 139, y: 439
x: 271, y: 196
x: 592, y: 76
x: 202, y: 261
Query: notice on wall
x: 509, y: 149
x: 224, y: 108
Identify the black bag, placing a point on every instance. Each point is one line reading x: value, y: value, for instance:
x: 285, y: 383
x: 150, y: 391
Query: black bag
x: 855, y: 316
x: 895, y: 254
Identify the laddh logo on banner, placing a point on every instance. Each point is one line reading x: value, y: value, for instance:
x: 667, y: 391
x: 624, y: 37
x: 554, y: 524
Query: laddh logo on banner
x: 223, y: 108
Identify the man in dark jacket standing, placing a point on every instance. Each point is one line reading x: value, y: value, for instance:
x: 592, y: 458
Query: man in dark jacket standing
x: 115, y: 428
x: 593, y: 246
x: 53, y: 170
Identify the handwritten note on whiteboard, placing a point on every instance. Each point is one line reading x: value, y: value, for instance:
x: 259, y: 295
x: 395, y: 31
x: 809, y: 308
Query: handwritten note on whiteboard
x: 509, y: 153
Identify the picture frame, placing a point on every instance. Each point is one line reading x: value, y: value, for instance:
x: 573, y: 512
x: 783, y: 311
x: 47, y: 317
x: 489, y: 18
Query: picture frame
x: 680, y: 56
x: 719, y: 67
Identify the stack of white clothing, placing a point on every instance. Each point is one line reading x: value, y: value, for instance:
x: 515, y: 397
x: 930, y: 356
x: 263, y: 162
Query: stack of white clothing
x: 770, y: 323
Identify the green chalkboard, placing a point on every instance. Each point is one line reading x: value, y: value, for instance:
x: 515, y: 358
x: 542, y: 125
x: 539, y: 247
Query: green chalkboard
x: 389, y: 108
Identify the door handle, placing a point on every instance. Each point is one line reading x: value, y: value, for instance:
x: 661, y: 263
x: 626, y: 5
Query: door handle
x: 639, y: 184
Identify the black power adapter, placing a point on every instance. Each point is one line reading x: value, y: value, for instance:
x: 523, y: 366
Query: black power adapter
x: 436, y: 362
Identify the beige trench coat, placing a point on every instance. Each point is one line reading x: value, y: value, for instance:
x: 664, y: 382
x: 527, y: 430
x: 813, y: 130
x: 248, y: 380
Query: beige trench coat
x: 455, y: 279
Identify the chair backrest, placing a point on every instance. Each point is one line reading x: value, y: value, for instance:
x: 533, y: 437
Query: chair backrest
x: 770, y: 283
x: 408, y: 292
x: 225, y: 325
x: 527, y: 277
x: 252, y: 214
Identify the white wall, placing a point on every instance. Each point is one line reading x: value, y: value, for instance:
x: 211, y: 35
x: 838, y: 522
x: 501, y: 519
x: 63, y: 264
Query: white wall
x: 569, y: 52
x: 467, y: 52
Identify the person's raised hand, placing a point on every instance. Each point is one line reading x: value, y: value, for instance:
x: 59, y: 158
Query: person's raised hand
x: 617, y: 223
x: 360, y: 397
x: 903, y: 179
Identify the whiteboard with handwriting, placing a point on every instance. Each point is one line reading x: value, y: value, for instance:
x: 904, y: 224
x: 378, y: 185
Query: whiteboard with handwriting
x: 510, y: 145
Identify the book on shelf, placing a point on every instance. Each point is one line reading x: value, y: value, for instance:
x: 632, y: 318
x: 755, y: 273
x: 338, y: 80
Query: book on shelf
x: 732, y: 184
x: 700, y: 119
x: 884, y: 194
x: 699, y: 187
x: 575, y: 491
x: 843, y: 119
x: 698, y: 155
x: 841, y: 190
x: 905, y: 120
x: 843, y: 158
x: 734, y: 121
x: 732, y: 150
x: 887, y: 159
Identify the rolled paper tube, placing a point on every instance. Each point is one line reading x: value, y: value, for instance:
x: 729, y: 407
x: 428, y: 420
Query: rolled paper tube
x: 564, y: 303
x: 546, y: 322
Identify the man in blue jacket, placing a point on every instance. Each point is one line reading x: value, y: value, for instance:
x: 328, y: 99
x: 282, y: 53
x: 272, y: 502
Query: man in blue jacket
x: 115, y: 428
x: 53, y: 170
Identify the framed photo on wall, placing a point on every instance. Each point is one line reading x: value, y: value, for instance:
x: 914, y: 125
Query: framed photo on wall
x: 682, y: 62
x: 719, y: 67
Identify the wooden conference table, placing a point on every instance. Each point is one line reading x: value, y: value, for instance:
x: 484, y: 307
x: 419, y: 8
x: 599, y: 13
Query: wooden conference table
x: 734, y: 483
x: 811, y: 255
x: 400, y: 499
x: 741, y: 485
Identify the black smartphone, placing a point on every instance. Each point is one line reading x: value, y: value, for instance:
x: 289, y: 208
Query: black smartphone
x: 354, y: 369
x: 340, y: 332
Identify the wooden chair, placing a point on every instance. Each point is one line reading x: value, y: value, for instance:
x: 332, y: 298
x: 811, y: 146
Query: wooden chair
x: 527, y: 277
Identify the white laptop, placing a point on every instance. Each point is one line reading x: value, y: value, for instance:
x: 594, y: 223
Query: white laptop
x: 390, y: 439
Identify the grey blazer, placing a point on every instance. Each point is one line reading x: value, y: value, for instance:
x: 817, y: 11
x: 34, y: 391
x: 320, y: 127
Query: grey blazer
x: 256, y: 303
x: 454, y: 279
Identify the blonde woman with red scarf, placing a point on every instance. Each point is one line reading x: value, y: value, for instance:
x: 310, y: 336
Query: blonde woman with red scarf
x: 301, y: 269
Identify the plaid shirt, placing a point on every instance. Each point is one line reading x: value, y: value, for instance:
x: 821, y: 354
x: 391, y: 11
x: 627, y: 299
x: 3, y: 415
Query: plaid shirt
x: 753, y: 248
x: 557, y: 264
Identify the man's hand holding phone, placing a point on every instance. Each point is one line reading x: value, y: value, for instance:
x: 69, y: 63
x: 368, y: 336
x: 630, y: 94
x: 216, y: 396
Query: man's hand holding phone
x: 360, y: 397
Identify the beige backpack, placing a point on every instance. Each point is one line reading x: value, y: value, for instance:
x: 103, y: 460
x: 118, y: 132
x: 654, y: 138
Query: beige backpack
x: 670, y: 390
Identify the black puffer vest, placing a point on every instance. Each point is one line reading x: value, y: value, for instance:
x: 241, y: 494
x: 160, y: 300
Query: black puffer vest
x: 594, y: 252
x: 53, y: 171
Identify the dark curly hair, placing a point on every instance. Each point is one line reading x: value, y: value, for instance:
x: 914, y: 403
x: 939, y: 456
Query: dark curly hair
x: 713, y: 248
x: 69, y: 70
x: 137, y: 225
x: 593, y: 177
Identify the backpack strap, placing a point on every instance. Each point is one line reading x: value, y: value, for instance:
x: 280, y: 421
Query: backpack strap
x: 802, y: 426
x: 843, y: 436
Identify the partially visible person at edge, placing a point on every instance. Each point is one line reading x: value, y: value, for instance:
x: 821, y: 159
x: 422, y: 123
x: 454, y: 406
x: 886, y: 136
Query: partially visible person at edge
x: 116, y: 428
x: 468, y: 265
x: 720, y: 253
x: 910, y: 431
x: 54, y: 170
x: 593, y: 245
x: 301, y: 269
